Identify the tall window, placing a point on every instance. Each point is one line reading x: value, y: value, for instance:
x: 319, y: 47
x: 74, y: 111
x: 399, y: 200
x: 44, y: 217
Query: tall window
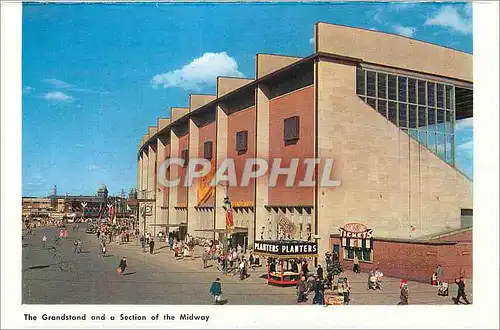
x: 241, y: 142
x: 291, y: 131
x: 208, y: 150
x: 422, y: 108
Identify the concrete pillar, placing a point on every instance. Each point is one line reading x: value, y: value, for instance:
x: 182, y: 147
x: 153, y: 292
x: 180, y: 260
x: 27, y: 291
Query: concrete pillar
x: 174, y: 174
x: 192, y: 212
x: 221, y: 189
x: 151, y: 220
x: 262, y: 152
x: 161, y: 216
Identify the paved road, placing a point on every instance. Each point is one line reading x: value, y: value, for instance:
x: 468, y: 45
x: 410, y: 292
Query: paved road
x: 88, y: 278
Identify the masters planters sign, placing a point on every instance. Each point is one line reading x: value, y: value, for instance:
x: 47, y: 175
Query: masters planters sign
x: 285, y: 248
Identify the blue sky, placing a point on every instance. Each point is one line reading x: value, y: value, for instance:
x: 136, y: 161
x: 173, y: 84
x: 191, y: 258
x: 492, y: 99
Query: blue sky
x: 96, y: 75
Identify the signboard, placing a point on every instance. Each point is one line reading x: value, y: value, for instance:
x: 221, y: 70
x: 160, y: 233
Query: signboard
x: 356, y: 230
x: 148, y: 209
x: 286, y: 248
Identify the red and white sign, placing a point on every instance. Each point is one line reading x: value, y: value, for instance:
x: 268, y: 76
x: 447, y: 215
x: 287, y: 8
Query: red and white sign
x: 355, y: 230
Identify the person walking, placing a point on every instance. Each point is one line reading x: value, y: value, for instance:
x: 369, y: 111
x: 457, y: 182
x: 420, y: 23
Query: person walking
x: 76, y: 246
x: 461, y: 291
x: 122, y: 266
x: 216, y: 290
x: 301, y: 291
x: 98, y: 234
x: 320, y: 272
x: 439, y: 274
x: 347, y: 290
x: 355, y: 268
x: 44, y: 241
x: 151, y: 246
x: 305, y: 270
x: 403, y: 296
x: 205, y: 257
x: 103, y: 249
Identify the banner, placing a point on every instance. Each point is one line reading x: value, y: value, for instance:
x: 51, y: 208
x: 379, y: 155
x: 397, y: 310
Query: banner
x: 204, y: 190
x: 229, y: 219
x: 286, y: 248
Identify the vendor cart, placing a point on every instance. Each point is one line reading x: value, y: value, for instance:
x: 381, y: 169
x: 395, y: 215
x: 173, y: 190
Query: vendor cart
x: 284, y: 259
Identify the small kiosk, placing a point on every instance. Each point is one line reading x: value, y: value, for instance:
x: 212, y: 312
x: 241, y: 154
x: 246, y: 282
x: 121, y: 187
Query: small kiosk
x: 284, y: 259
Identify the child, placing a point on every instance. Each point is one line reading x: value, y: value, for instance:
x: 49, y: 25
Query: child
x: 347, y: 289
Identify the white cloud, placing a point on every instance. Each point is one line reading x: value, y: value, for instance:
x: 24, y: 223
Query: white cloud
x: 58, y: 96
x: 463, y: 124
x: 406, y: 31
x: 93, y: 167
x: 27, y: 89
x: 311, y: 41
x: 202, y: 71
x: 450, y: 17
x: 59, y: 84
x: 79, y: 145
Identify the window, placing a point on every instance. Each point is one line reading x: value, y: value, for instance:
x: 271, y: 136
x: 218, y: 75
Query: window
x: 208, y: 150
x: 422, y: 113
x: 403, y: 121
x: 291, y: 131
x: 360, y: 81
x: 402, y: 89
x: 185, y: 157
x: 382, y: 81
x: 421, y: 92
x: 382, y: 107
x: 431, y: 94
x: 412, y: 90
x: 393, y: 112
x: 372, y: 102
x: 412, y: 116
x: 364, y: 254
x: 440, y: 95
x: 449, y: 96
x: 371, y: 83
x: 241, y: 142
x: 393, y: 83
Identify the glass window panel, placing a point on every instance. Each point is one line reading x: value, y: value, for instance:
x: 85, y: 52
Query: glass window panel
x: 432, y: 116
x: 381, y: 81
x: 371, y: 82
x: 412, y: 116
x: 440, y: 95
x: 422, y: 137
x: 382, y: 107
x: 402, y: 89
x: 393, y: 93
x: 449, y: 148
x: 393, y: 113
x: 431, y: 94
x: 372, y: 102
x: 414, y: 134
x: 440, y: 120
x: 360, y: 81
x: 440, y: 146
x: 350, y: 253
x: 421, y: 92
x: 367, y: 255
x: 412, y: 90
x: 432, y: 141
x: 403, y: 115
x: 422, y: 113
x: 449, y: 122
x: 449, y: 96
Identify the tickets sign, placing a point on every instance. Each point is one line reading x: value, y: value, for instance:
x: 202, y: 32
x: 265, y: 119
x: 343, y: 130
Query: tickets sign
x: 356, y: 230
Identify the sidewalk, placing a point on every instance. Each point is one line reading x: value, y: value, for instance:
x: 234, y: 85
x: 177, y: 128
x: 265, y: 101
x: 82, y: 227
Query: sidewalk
x: 164, y: 261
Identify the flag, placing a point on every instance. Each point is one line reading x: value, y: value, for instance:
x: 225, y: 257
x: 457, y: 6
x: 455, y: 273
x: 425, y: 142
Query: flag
x: 229, y: 219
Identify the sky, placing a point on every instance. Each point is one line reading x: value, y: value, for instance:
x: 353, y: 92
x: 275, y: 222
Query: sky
x: 95, y: 76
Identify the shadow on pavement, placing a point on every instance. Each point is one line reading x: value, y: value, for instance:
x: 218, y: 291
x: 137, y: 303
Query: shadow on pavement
x: 129, y: 273
x: 108, y: 255
x: 38, y: 267
x: 222, y: 302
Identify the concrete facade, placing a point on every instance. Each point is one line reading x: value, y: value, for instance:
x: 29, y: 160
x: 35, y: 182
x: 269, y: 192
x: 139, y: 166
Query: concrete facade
x: 389, y: 181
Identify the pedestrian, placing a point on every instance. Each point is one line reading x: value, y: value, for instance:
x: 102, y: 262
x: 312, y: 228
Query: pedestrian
x: 98, y: 234
x: 403, y: 297
x: 76, y: 246
x: 461, y: 291
x: 439, y: 273
x: 122, y: 266
x: 355, y: 268
x: 143, y: 241
x: 103, y: 249
x: 371, y: 280
x: 151, y: 246
x: 216, y: 290
x: 251, y: 260
x: 110, y: 236
x: 347, y: 290
x: 301, y: 291
x: 305, y: 270
x: 80, y: 246
x: 171, y: 242
x: 204, y: 257
x: 434, y: 281
x: 44, y: 241
x: 127, y: 235
x: 148, y: 237
x: 320, y: 272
